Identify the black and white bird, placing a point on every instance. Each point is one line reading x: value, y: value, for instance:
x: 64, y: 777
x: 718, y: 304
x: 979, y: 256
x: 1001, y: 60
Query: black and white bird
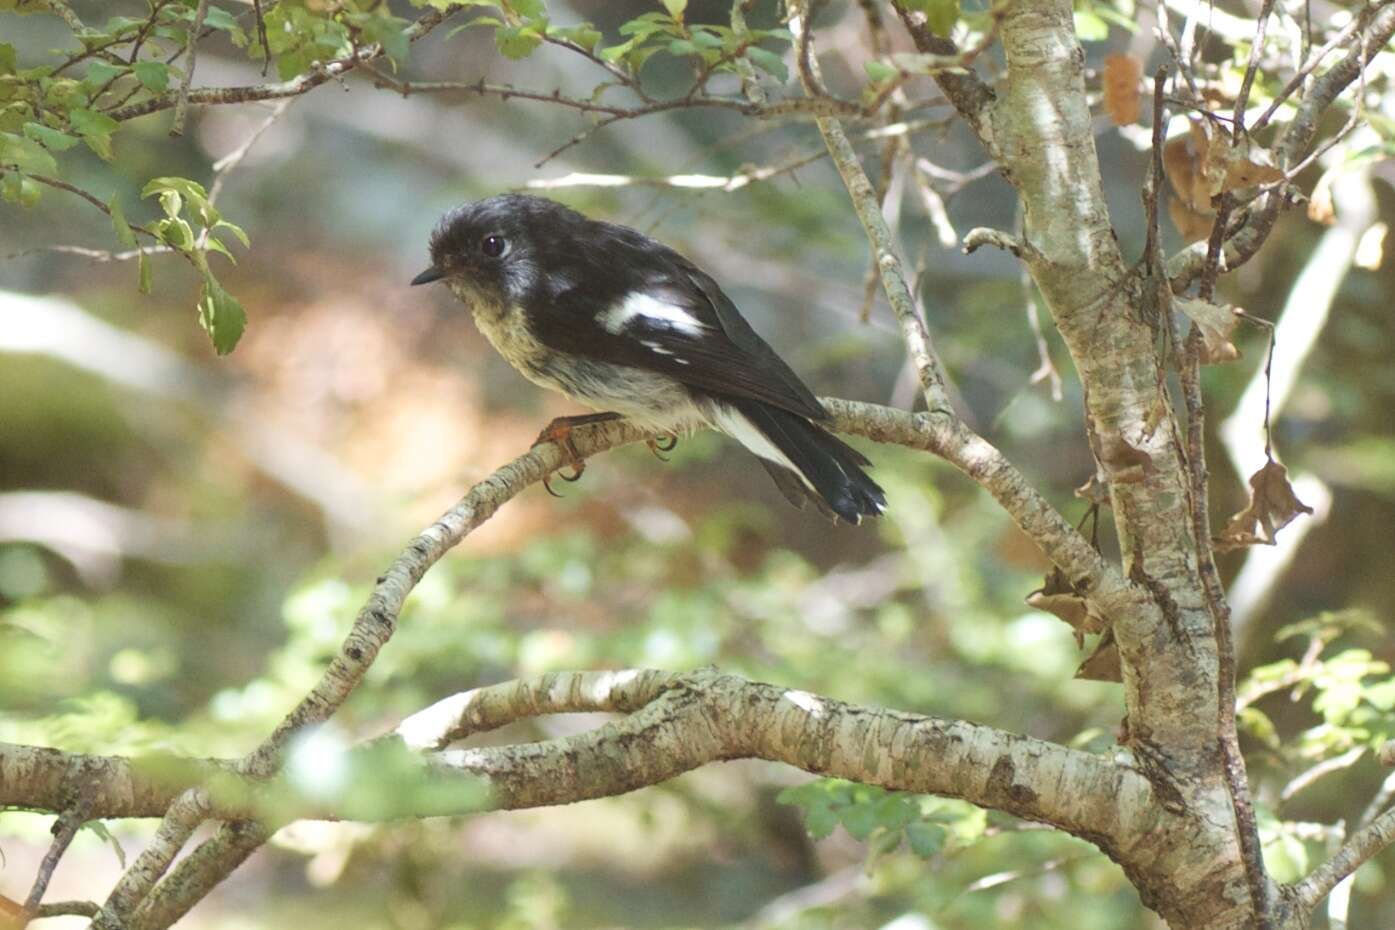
x: 622, y: 323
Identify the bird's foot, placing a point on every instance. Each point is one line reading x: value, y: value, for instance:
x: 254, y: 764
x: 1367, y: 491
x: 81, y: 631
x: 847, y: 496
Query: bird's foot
x: 660, y: 446
x: 559, y: 432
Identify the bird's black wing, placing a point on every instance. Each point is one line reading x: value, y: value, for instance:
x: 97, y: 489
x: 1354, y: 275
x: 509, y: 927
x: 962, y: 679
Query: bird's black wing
x: 624, y: 298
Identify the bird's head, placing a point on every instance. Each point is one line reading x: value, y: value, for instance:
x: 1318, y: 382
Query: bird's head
x: 487, y: 252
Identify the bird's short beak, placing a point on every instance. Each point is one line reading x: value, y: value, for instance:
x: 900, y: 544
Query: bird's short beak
x: 426, y: 277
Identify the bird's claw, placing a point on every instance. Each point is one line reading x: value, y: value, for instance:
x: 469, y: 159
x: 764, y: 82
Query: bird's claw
x: 660, y: 446
x: 559, y: 432
x: 577, y: 468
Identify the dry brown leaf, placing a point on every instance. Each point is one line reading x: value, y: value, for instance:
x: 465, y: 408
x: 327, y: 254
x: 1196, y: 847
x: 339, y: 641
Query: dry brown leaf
x: 1208, y: 161
x: 1058, y: 596
x: 1095, y: 491
x: 1273, y: 506
x: 1216, y: 322
x: 1247, y: 165
x: 1184, y: 159
x: 1190, y: 225
x: 1103, y: 664
x: 1124, y: 463
x: 1120, y: 82
x: 1211, y: 145
x: 1320, y: 206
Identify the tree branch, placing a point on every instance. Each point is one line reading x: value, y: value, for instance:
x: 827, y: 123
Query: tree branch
x: 680, y: 721
x: 1365, y: 843
x: 1186, y: 266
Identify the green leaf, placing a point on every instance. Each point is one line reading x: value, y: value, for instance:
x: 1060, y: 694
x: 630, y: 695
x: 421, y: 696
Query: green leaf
x: 99, y: 72
x: 391, y: 33
x: 528, y: 9
x: 144, y: 281
x: 940, y: 15
x: 583, y: 35
x: 25, y: 154
x: 616, y: 52
x: 216, y: 18
x: 175, y: 233
x: 124, y: 234
x: 860, y: 820
x: 646, y: 25
x: 820, y: 821
x: 235, y: 230
x: 517, y: 42
x: 50, y: 138
x: 191, y: 191
x: 879, y: 71
x: 8, y: 62
x: 221, y: 316
x: 1089, y: 27
x: 926, y: 839
x: 99, y: 828
x: 894, y: 811
x: 171, y: 203
x: 95, y: 129
x: 155, y: 75
x: 16, y: 188
x: 675, y: 8
x: 214, y: 244
x: 769, y: 62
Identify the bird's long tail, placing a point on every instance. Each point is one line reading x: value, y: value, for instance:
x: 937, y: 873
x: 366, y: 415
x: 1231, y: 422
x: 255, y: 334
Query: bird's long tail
x: 807, y: 462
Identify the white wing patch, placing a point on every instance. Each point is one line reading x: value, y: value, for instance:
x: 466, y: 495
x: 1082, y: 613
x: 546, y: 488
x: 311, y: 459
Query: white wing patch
x: 652, y: 311
x: 734, y: 423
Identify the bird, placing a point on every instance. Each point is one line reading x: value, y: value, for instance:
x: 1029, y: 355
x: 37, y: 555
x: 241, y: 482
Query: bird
x: 620, y: 322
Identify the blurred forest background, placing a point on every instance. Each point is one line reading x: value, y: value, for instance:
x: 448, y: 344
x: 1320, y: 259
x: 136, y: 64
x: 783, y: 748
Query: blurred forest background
x: 184, y: 538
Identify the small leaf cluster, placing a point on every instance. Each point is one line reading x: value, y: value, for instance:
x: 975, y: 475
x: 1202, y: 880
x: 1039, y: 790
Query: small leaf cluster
x: 1349, y: 689
x: 182, y: 200
x: 521, y: 26
x: 885, y: 819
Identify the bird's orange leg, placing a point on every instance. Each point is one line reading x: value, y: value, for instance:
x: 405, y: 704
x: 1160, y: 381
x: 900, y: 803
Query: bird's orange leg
x: 559, y: 431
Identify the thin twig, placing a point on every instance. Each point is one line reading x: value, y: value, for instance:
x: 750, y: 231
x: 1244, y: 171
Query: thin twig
x: 64, y: 829
x: 1242, y: 99
x: 1358, y: 22
x: 225, y: 165
x: 181, y: 107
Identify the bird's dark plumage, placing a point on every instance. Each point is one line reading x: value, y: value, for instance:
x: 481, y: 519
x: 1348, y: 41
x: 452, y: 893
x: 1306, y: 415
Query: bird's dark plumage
x: 621, y: 322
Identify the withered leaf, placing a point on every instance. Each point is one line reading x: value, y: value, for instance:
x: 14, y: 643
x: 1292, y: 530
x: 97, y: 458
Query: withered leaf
x: 1216, y: 322
x: 1320, y: 206
x: 1096, y: 491
x: 1120, y: 81
x: 1273, y: 506
x: 1124, y: 462
x: 1058, y: 596
x: 1208, y: 161
x: 1247, y: 165
x: 1183, y: 160
x: 1191, y: 225
x: 1103, y: 664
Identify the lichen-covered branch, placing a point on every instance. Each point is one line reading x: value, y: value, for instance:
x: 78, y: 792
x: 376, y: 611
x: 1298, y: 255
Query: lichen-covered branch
x: 677, y: 722
x: 1365, y: 843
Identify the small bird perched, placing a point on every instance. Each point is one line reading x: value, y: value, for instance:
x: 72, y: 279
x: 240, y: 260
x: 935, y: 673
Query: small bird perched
x: 624, y: 324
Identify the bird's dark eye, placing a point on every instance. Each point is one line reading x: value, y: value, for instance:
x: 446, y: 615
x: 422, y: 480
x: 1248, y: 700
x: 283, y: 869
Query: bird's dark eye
x: 494, y: 246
